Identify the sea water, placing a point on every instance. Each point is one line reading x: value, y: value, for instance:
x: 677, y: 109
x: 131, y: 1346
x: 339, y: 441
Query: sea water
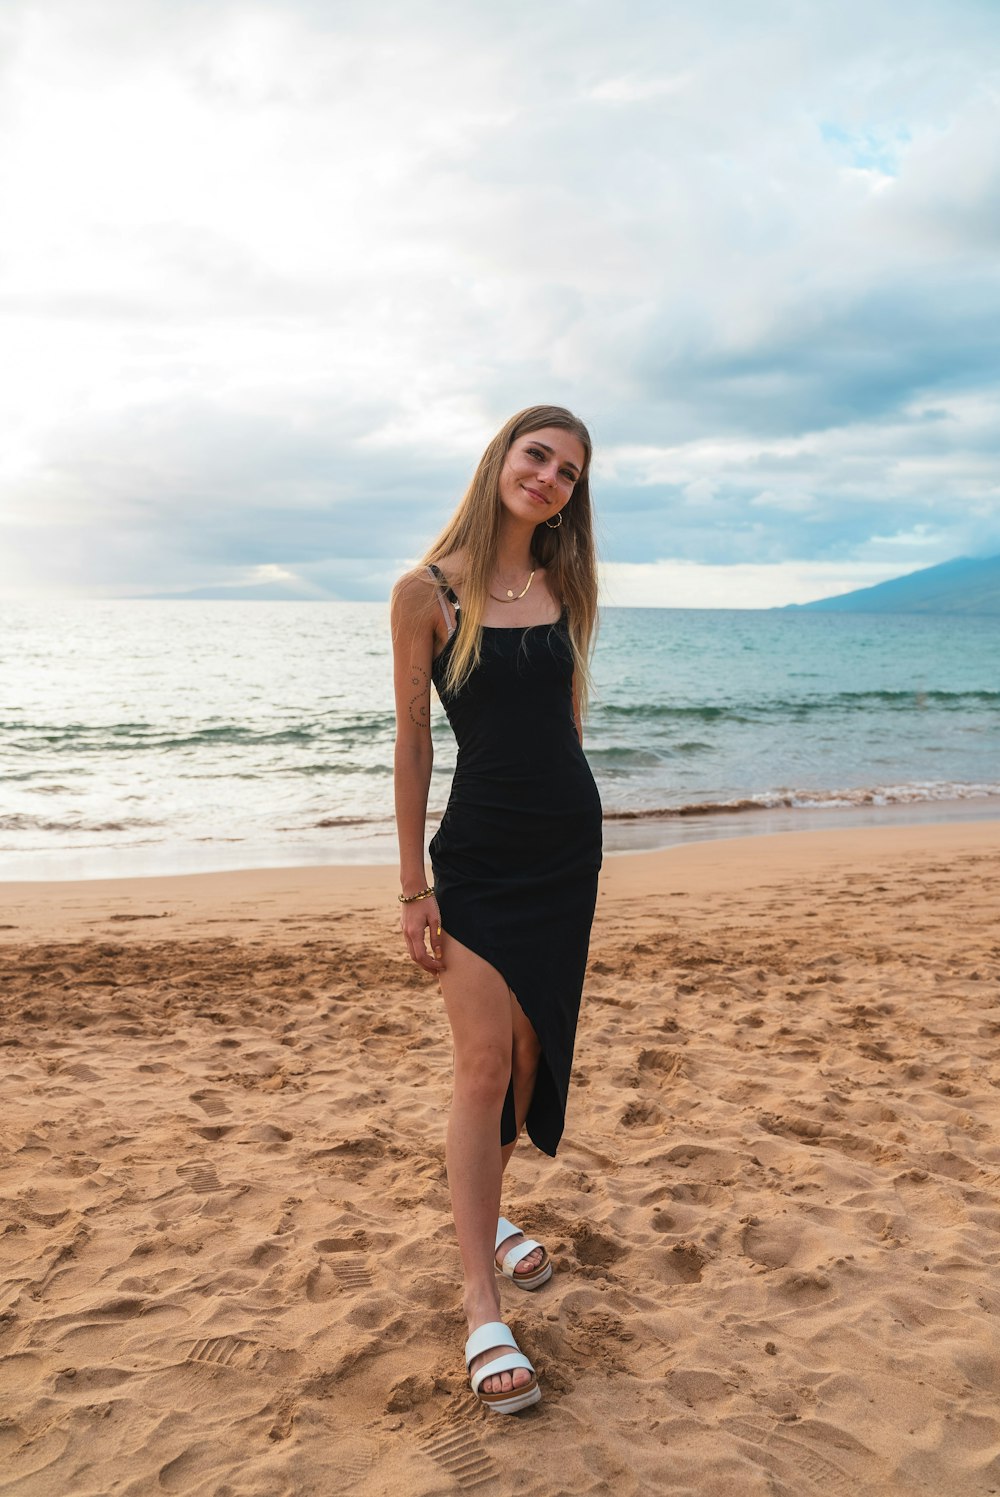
x: 155, y: 736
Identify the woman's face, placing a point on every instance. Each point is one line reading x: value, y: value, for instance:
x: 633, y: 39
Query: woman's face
x: 539, y: 473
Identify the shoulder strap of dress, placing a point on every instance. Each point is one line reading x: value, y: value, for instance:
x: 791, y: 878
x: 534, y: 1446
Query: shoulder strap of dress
x: 439, y: 576
x: 444, y: 591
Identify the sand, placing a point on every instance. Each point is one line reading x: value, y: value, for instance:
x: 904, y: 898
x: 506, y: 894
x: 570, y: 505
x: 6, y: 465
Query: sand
x: 228, y: 1265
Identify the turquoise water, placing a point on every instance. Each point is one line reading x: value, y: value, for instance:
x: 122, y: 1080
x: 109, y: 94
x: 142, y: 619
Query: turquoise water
x: 156, y: 736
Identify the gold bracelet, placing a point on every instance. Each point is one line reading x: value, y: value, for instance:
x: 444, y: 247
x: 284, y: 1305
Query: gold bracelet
x: 409, y: 898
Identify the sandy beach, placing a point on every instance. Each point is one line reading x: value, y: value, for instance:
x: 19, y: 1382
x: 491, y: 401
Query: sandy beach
x: 228, y: 1263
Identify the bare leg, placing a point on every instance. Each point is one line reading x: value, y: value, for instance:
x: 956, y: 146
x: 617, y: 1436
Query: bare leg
x: 479, y: 1011
x: 524, y: 1066
x: 527, y: 1052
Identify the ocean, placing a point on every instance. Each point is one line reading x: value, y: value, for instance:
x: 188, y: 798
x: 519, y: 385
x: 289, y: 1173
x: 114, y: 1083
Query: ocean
x: 147, y: 736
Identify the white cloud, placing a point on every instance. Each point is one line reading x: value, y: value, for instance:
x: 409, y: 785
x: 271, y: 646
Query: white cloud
x: 268, y: 572
x: 685, y: 584
x: 920, y: 535
x: 268, y: 263
x: 635, y: 90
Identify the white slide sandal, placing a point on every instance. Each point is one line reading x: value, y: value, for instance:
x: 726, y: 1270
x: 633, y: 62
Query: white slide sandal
x: 495, y: 1333
x: 534, y: 1278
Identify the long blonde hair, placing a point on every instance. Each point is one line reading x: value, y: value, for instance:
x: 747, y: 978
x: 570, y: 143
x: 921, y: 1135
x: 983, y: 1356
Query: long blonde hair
x: 567, y: 552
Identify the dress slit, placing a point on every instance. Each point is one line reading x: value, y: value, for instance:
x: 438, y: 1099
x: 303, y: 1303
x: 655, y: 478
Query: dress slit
x: 508, y: 1119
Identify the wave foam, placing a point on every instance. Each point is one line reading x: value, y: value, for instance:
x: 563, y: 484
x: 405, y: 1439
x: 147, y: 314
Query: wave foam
x: 799, y: 800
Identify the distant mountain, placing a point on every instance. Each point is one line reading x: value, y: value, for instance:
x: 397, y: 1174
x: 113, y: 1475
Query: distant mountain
x: 967, y: 585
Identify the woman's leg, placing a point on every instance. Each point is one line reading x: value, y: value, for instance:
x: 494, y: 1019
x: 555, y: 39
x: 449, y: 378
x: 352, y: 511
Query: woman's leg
x: 479, y: 1011
x: 527, y: 1053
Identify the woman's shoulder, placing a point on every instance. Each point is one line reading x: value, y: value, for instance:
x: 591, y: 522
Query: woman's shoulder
x: 411, y: 595
x: 451, y: 567
x: 414, y: 587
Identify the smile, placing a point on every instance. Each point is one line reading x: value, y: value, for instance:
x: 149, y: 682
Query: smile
x: 535, y: 494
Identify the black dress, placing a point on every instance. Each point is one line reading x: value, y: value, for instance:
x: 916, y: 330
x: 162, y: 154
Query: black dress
x: 518, y: 851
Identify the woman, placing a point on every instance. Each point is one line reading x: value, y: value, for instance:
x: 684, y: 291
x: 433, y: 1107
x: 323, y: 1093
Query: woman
x: 500, y: 616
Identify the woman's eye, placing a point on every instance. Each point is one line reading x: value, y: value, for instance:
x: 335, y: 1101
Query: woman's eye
x: 534, y: 452
x: 569, y: 477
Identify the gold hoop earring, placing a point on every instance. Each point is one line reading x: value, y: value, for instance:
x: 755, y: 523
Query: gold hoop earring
x: 549, y: 525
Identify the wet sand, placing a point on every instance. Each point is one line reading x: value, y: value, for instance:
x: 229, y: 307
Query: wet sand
x: 227, y: 1264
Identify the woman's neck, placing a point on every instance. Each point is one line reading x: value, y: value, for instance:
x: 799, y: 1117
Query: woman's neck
x: 514, y: 549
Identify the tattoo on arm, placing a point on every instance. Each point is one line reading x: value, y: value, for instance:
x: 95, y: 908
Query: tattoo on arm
x: 420, y: 702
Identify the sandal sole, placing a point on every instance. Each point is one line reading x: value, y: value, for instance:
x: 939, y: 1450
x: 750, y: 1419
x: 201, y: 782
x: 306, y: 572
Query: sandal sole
x: 511, y: 1403
x: 529, y: 1281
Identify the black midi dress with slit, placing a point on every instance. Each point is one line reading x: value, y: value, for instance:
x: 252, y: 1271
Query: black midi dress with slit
x: 518, y: 851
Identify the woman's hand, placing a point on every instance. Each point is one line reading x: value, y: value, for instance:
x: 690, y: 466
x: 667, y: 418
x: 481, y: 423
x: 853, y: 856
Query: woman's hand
x: 420, y: 923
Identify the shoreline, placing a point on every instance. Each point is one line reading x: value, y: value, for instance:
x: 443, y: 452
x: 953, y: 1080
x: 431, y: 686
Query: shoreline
x: 360, y: 899
x: 623, y: 834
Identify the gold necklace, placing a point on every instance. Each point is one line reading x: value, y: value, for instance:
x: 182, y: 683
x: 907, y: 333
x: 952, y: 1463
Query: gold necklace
x: 513, y: 597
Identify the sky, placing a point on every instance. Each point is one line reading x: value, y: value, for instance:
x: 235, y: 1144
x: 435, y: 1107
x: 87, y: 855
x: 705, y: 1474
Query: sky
x: 272, y: 274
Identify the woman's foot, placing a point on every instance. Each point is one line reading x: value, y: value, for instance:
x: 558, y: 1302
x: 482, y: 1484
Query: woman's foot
x: 504, y: 1382
x: 524, y: 1265
x: 523, y: 1260
x: 512, y: 1360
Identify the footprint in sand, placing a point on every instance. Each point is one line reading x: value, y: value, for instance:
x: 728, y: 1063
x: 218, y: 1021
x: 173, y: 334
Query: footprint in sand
x: 200, y: 1176
x: 98, y: 1334
x: 354, y: 1273
x: 685, y: 1262
x: 601, y: 1337
x: 210, y: 1102
x: 454, y: 1446
x: 593, y: 1249
x: 770, y: 1244
x: 719, y: 1164
x: 641, y: 1114
x: 698, y: 1385
x: 356, y: 1462
x: 809, y: 1470
x: 348, y: 1270
x: 662, y: 1063
x: 222, y: 1351
x: 701, y: 1192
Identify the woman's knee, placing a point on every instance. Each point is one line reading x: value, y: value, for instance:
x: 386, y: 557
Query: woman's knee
x: 482, y: 1075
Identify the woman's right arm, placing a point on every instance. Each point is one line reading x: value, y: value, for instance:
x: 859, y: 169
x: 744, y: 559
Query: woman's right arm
x: 413, y: 652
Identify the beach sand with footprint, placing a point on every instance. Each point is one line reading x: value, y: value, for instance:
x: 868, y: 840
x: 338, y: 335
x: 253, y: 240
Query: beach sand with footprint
x: 227, y: 1263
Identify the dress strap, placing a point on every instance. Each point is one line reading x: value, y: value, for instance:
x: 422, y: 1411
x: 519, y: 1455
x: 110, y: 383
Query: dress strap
x: 445, y: 591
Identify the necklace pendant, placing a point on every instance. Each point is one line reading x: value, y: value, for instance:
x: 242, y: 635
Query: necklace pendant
x: 512, y: 596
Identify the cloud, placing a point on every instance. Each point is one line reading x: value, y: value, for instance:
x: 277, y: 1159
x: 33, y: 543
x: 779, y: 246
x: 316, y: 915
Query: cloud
x: 274, y: 274
x: 636, y: 90
x: 683, y: 584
